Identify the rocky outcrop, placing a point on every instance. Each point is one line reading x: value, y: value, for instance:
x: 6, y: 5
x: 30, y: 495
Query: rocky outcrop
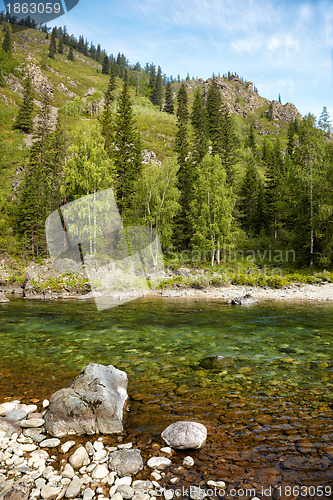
x: 92, y: 403
x: 184, y: 435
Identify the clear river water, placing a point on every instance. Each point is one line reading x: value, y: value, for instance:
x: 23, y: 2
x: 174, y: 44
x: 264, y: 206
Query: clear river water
x: 267, y: 405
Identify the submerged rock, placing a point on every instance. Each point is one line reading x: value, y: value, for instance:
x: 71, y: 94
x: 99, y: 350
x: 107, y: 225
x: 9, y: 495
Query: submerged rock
x: 216, y: 362
x: 185, y: 435
x: 92, y: 403
x: 3, y: 298
x: 244, y: 301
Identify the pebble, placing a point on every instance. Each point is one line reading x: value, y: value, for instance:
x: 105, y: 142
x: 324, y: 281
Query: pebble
x: 99, y: 455
x: 50, y: 443
x: 168, y: 494
x: 68, y: 471
x: 78, y: 458
x: 45, y: 403
x: 35, y: 493
x: 158, y: 462
x: 125, y: 490
x: 156, y: 475
x: 28, y: 447
x: 48, y: 471
x: 216, y: 484
x: 89, y: 447
x: 88, y: 494
x: 32, y: 422
x: 98, y: 446
x: 197, y: 493
x: 125, y: 446
x: 50, y: 492
x: 100, y: 472
x: 67, y: 446
x: 116, y: 496
x: 167, y: 449
x: 16, y: 415
x: 123, y: 480
x: 188, y: 461
x: 73, y: 488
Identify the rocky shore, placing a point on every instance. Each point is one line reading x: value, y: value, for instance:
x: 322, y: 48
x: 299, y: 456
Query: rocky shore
x: 35, y: 464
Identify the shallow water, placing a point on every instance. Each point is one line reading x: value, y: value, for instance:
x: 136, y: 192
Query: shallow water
x: 269, y: 414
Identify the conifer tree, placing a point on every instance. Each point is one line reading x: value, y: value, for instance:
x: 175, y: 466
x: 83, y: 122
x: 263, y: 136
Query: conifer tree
x: 7, y: 39
x: 24, y: 116
x: 98, y: 53
x: 185, y: 174
x: 53, y: 45
x: 70, y: 55
x: 324, y: 121
x: 274, y: 176
x: 127, y: 151
x: 105, y: 65
x: 61, y: 45
x: 156, y: 97
x: 229, y: 145
x: 213, y: 109
x: 199, y: 123
x: 250, y: 192
x: 269, y: 113
x: 168, y: 104
x: 251, y: 139
x: 107, y: 116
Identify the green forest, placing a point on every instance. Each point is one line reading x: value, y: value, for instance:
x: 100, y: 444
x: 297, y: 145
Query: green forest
x: 224, y: 183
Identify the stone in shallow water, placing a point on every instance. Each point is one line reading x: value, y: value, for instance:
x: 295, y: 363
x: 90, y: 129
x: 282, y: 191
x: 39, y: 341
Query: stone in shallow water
x: 73, y: 488
x: 184, y: 435
x: 100, y: 472
x: 92, y: 403
x: 16, y: 415
x: 197, y: 493
x: 126, y: 462
x: 67, y: 446
x: 188, y: 462
x: 9, y: 427
x: 32, y: 422
x: 158, y: 462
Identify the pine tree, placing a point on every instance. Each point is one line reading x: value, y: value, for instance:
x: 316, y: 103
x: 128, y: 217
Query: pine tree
x: 61, y: 45
x: 53, y: 45
x: 98, y: 53
x: 127, y: 151
x: 168, y: 104
x: 269, y: 112
x: 24, y: 116
x: 70, y: 55
x: 105, y: 65
x: 7, y: 39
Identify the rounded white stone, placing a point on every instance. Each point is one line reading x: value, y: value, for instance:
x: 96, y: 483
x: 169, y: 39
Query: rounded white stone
x: 158, y: 462
x: 100, y: 472
x: 188, y: 461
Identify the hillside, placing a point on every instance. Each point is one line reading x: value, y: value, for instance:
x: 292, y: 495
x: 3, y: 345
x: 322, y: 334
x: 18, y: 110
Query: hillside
x: 260, y: 151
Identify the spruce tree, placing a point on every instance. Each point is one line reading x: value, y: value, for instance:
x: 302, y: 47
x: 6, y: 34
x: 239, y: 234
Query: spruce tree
x: 24, y: 116
x: 251, y: 139
x: 107, y: 118
x: 214, y: 116
x: 70, y: 55
x: 53, y: 45
x: 324, y: 121
x: 127, y: 151
x: 105, y: 65
x: 98, y: 53
x: 229, y: 145
x: 61, y: 45
x: 156, y: 97
x: 250, y: 192
x: 185, y: 179
x: 199, y: 123
x: 168, y: 104
x: 7, y: 39
x: 274, y: 176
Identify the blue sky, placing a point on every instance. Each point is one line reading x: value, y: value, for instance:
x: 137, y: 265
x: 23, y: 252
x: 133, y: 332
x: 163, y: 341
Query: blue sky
x: 283, y: 46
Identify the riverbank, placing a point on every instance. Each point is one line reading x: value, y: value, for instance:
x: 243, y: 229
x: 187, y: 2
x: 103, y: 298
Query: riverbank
x: 65, y: 279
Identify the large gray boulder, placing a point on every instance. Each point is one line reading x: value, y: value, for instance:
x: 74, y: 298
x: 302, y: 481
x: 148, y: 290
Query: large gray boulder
x: 184, y: 435
x: 93, y: 403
